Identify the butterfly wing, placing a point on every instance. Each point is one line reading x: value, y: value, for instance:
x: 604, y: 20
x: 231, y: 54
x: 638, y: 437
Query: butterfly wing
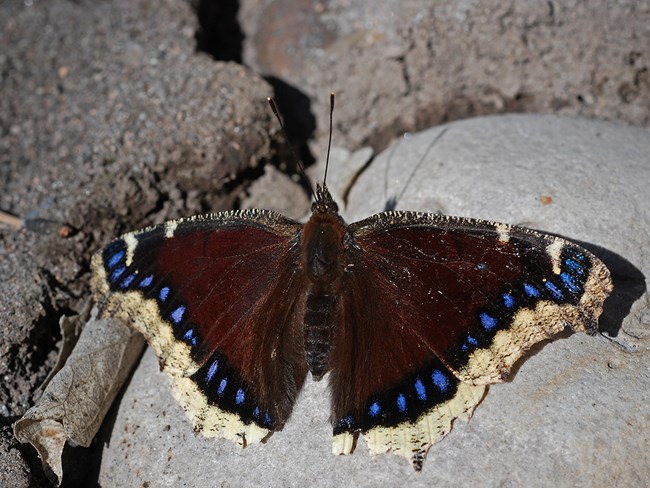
x: 435, y: 308
x: 218, y: 299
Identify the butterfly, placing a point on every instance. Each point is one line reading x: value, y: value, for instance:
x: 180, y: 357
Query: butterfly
x: 411, y: 315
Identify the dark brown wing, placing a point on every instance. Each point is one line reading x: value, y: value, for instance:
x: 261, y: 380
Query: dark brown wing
x: 436, y: 307
x: 219, y: 300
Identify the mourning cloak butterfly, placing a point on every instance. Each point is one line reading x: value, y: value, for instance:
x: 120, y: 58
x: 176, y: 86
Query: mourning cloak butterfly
x: 412, y: 315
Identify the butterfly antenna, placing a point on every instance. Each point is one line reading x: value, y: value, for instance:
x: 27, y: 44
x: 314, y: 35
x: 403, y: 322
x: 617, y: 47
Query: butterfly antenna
x: 274, y: 108
x: 329, y: 142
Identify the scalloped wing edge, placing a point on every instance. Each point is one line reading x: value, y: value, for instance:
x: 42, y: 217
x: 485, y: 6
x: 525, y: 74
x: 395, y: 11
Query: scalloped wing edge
x: 412, y: 440
x: 530, y: 326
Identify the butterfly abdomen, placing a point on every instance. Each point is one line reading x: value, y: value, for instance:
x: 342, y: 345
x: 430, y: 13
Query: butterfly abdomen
x: 322, y: 263
x: 319, y: 313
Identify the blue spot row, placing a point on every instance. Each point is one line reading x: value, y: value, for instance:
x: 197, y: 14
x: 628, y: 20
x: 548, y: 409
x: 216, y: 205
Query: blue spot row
x: 471, y: 342
x: 488, y: 321
x: 177, y: 314
x: 266, y: 420
x: 440, y: 380
x: 189, y: 336
x: 574, y: 266
x: 374, y: 410
x: 146, y: 282
x: 240, y: 397
x: 115, y: 275
x: 568, y: 281
x: 578, y: 255
x: 115, y: 259
x: 126, y: 282
x: 164, y: 293
x: 226, y: 385
x: 401, y: 403
x: 212, y: 371
x: 346, y: 423
x: 222, y: 386
x: 531, y: 290
x: 567, y: 286
x: 420, y: 390
x: 555, y: 291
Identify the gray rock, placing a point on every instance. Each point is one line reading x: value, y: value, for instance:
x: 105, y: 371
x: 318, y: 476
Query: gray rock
x: 575, y: 413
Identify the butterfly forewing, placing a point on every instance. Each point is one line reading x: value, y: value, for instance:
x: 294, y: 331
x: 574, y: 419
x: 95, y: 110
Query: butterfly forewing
x: 204, y: 292
x: 472, y: 289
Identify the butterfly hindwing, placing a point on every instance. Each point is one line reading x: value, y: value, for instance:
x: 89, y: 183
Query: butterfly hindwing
x: 435, y: 305
x: 202, y: 291
x: 385, y: 381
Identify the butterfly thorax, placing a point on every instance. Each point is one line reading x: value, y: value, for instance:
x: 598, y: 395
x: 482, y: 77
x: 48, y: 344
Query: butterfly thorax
x: 323, y: 262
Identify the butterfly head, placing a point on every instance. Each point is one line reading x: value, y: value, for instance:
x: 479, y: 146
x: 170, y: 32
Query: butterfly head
x: 324, y: 203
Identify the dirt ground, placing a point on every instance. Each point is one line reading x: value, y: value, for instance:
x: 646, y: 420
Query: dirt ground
x: 116, y: 115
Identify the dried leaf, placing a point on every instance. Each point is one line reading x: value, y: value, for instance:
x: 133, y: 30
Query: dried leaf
x: 70, y: 327
x: 77, y: 398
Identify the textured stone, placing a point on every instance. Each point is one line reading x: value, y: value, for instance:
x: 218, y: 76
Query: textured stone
x: 404, y: 65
